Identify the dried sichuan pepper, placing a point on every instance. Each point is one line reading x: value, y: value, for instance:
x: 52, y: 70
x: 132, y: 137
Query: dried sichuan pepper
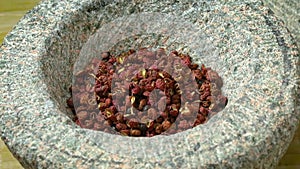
x: 153, y: 100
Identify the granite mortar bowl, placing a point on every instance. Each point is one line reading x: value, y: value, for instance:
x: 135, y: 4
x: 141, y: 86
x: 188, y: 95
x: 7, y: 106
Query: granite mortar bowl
x: 244, y: 42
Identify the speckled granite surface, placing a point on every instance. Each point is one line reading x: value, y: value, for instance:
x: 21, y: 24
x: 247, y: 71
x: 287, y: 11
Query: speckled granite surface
x: 289, y: 12
x: 252, y: 51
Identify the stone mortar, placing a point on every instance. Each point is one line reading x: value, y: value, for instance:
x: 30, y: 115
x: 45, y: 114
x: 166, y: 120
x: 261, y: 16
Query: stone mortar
x: 252, y: 51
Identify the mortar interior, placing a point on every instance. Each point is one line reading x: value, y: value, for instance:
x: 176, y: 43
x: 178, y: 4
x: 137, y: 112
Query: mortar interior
x: 65, y: 57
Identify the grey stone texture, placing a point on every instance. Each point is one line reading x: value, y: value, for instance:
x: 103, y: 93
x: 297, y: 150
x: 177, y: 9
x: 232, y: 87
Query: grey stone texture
x: 244, y: 42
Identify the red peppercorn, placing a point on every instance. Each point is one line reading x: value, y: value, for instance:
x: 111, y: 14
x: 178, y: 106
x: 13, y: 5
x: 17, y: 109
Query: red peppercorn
x: 160, y: 84
x: 147, y: 93
x: 158, y: 129
x: 121, y: 126
x: 168, y: 101
x: 186, y: 60
x: 150, y: 125
x: 201, y: 118
x: 135, y: 132
x: 135, y: 90
x: 105, y: 55
x: 174, y: 113
x: 70, y: 102
x: 143, y: 102
x: 166, y: 125
x: 107, y: 102
x: 203, y: 111
x: 120, y: 117
x: 125, y: 132
x: 133, y: 123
